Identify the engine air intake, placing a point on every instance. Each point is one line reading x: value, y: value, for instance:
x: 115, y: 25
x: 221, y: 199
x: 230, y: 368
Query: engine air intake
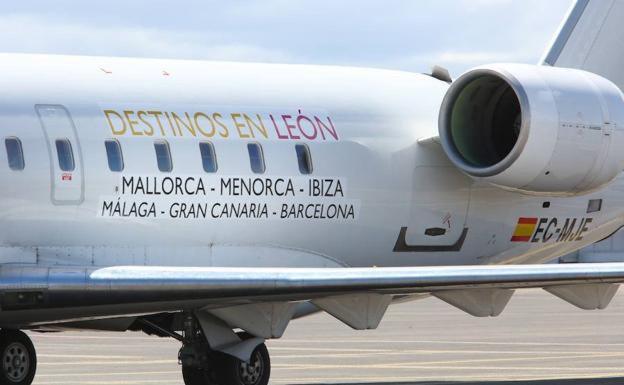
x: 485, y: 121
x: 536, y: 129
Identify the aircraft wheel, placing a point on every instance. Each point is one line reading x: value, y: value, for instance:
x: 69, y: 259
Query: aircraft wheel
x: 197, y: 376
x: 198, y: 366
x: 19, y: 359
x: 255, y: 372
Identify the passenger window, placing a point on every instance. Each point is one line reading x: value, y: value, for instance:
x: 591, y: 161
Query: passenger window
x: 114, y: 155
x: 163, y: 156
x: 256, y: 158
x: 304, y: 159
x: 14, y: 153
x: 65, y: 155
x: 209, y: 159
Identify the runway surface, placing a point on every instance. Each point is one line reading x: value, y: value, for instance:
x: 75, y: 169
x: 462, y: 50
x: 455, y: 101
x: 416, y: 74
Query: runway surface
x: 539, y: 340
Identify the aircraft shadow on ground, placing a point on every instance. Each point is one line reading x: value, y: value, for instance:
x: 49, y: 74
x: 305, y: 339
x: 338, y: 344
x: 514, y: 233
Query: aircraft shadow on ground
x: 567, y: 381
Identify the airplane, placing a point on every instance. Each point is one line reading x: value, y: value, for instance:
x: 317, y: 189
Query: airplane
x: 214, y: 202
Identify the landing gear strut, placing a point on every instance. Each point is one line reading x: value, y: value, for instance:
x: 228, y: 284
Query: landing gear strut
x: 204, y: 366
x: 19, y: 360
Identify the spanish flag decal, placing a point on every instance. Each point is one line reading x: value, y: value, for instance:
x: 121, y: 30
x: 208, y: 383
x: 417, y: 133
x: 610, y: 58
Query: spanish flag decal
x: 524, y: 229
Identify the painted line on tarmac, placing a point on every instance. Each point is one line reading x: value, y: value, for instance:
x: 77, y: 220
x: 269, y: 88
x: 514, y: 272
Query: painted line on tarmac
x: 277, y: 348
x: 438, y: 342
x: 517, y: 359
x: 411, y: 365
x: 90, y: 356
x: 442, y: 379
x: 594, y: 370
x: 103, y: 382
x: 78, y: 336
x: 108, y: 374
x: 430, y: 352
x: 125, y: 362
x: 99, y: 346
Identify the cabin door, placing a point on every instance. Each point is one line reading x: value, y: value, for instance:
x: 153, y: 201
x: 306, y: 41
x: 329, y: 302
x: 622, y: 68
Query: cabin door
x: 66, y: 170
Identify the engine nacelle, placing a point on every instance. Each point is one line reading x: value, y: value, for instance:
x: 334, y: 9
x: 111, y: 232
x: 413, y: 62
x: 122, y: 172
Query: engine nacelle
x: 537, y: 129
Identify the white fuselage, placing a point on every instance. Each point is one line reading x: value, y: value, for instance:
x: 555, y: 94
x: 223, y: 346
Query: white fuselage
x: 371, y: 175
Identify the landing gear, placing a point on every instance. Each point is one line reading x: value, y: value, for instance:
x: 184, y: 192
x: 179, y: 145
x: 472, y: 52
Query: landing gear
x: 19, y: 360
x: 204, y: 366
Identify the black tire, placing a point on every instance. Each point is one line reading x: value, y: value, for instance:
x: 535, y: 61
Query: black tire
x: 18, y: 356
x: 256, y: 372
x: 206, y: 375
x: 196, y: 376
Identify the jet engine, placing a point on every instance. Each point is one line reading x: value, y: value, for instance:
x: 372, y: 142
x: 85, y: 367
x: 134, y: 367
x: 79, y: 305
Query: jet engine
x: 537, y: 129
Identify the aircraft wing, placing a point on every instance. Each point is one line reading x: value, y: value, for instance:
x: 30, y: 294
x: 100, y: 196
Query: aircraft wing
x: 356, y: 296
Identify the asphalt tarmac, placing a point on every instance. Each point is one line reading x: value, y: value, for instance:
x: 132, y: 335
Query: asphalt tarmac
x: 538, y: 340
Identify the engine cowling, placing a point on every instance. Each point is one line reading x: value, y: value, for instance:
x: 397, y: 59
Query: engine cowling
x: 536, y: 129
